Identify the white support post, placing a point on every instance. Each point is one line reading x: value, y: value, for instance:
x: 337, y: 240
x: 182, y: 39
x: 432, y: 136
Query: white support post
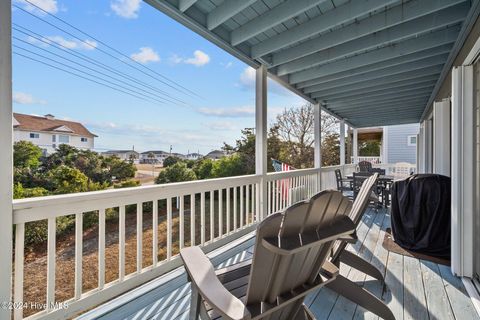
x: 384, y: 158
x: 342, y: 142
x: 441, y: 137
x: 261, y: 136
x: 355, y: 146
x: 421, y: 150
x: 6, y: 156
x: 317, y: 134
x: 428, y: 145
x: 463, y: 171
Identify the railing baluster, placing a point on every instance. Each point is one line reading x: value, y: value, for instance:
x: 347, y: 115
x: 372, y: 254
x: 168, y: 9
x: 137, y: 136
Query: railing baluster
x: 247, y: 204
x: 19, y: 259
x: 269, y: 195
x: 235, y: 208
x: 220, y: 212
x: 241, y: 206
x: 257, y: 202
x: 121, y: 243
x: 139, y: 236
x: 202, y: 218
x: 155, y: 232
x: 212, y: 217
x: 182, y: 222
x: 101, y: 248
x: 169, y: 228
x: 192, y: 219
x: 228, y: 210
x: 78, y: 255
x: 51, y: 248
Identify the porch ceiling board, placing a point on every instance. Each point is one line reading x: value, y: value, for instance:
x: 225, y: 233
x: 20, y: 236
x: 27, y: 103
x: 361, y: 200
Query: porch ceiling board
x: 342, y: 54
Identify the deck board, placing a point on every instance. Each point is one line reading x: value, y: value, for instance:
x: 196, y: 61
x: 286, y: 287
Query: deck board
x: 415, y: 289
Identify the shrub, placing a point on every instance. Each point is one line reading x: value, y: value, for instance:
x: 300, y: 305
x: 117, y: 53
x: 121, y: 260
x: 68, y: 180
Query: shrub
x: 176, y: 173
x: 127, y: 184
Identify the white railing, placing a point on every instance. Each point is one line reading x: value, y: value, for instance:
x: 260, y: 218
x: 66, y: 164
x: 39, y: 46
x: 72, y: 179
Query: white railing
x: 373, y: 160
x: 209, y: 213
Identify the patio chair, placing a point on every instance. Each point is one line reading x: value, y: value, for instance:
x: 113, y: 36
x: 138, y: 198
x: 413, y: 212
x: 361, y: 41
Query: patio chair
x: 364, y: 166
x: 290, y: 260
x: 342, y: 184
x: 402, y: 170
x: 380, y: 171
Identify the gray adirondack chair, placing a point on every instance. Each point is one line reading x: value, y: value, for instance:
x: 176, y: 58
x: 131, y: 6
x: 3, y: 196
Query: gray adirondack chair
x: 290, y: 260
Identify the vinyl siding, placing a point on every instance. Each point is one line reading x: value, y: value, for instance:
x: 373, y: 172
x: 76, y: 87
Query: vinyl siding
x: 398, y: 148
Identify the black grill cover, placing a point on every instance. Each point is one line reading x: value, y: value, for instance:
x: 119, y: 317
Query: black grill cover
x: 421, y: 214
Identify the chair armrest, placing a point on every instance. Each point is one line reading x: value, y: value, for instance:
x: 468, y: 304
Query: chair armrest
x: 202, y: 275
x: 350, y: 238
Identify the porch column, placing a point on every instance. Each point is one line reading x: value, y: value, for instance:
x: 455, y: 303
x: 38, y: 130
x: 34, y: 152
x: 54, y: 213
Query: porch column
x: 441, y: 137
x: 6, y: 156
x: 261, y: 139
x: 317, y: 117
x: 463, y: 170
x: 421, y: 150
x: 342, y: 142
x: 355, y: 146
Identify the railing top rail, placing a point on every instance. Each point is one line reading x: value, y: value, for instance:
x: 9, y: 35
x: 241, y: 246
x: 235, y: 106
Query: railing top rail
x: 294, y: 173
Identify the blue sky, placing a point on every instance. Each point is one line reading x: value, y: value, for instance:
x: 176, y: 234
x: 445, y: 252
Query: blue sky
x: 225, y: 84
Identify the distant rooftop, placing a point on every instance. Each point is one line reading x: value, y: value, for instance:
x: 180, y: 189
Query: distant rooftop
x: 48, y: 123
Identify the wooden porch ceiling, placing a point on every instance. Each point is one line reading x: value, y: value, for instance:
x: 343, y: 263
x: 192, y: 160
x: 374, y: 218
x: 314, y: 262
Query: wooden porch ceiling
x: 346, y: 55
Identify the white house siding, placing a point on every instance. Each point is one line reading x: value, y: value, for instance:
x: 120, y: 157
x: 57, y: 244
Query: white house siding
x: 398, y: 149
x: 44, y: 141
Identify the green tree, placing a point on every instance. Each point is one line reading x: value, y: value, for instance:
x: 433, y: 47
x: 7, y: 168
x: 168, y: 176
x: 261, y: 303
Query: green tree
x: 119, y: 169
x: 369, y: 149
x: 331, y: 149
x: 176, y: 173
x: 70, y: 180
x: 26, y: 155
x: 170, y: 161
x: 203, y: 168
x: 233, y: 165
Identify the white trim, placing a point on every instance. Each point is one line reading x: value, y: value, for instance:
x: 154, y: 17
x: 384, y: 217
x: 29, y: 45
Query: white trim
x: 463, y: 174
x: 342, y: 142
x: 441, y: 137
x: 355, y: 146
x: 6, y: 156
x: 473, y: 293
x: 317, y: 136
x: 385, y: 145
x: 261, y: 138
x: 409, y: 140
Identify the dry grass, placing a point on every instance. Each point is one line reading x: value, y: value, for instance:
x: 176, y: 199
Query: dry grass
x: 35, y: 269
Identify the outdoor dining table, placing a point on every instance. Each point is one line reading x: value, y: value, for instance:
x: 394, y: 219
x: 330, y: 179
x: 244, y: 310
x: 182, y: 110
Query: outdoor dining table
x: 384, y: 182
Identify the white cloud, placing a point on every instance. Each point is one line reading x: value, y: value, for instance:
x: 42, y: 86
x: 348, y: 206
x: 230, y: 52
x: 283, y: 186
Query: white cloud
x: 49, y: 6
x: 199, y: 59
x: 146, y: 55
x: 221, y: 125
x: 26, y: 98
x: 126, y: 8
x: 67, y: 43
x: 236, y: 112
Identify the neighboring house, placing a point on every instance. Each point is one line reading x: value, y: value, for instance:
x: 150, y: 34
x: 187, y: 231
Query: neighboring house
x: 215, y: 154
x: 158, y: 158
x: 179, y: 155
x: 193, y: 156
x: 48, y: 133
x: 124, y: 154
x: 400, y: 143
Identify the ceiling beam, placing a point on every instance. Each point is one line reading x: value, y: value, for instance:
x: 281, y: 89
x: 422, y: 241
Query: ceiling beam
x: 322, y: 23
x: 183, y: 5
x: 395, y: 102
x: 422, y: 59
x: 225, y: 11
x: 415, y: 112
x: 396, y: 34
x: 385, y: 109
x: 368, y: 89
x: 367, y: 99
x: 377, y: 78
x: 271, y: 18
x: 391, y: 99
x: 423, y: 42
x: 387, y: 123
x: 375, y: 23
x: 380, y: 92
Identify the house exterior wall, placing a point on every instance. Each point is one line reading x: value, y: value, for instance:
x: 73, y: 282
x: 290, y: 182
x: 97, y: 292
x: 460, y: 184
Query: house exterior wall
x: 45, y: 141
x: 398, y: 148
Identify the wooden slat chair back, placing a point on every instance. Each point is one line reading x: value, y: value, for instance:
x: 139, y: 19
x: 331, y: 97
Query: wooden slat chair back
x: 290, y: 260
x: 364, y: 166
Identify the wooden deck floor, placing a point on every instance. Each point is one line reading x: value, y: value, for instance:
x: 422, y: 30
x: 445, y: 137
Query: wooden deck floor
x: 415, y: 289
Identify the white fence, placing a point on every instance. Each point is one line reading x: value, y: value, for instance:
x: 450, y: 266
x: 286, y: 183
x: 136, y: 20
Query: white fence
x: 373, y: 160
x: 209, y: 213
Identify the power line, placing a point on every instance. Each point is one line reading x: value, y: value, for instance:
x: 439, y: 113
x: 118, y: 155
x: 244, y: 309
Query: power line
x: 189, y: 92
x: 80, y: 76
x: 84, y: 66
x: 57, y: 45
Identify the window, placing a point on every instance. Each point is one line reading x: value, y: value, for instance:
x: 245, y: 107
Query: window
x: 83, y: 139
x: 63, y: 139
x: 34, y: 135
x: 54, y: 138
x: 412, y: 141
